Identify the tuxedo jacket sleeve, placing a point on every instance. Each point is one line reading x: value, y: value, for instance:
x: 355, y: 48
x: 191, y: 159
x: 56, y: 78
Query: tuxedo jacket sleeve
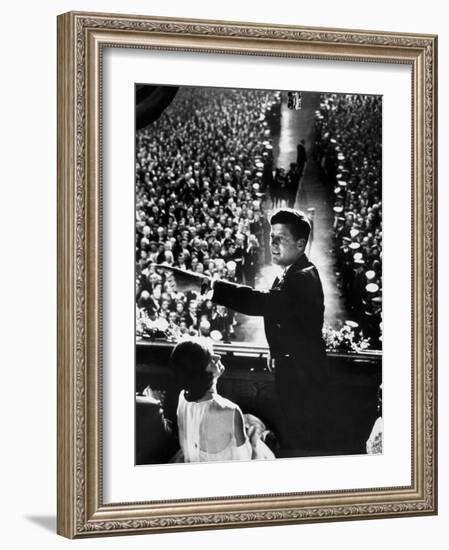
x: 292, y: 311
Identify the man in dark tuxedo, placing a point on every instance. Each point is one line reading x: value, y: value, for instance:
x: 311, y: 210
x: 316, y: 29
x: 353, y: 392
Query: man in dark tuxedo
x: 293, y: 312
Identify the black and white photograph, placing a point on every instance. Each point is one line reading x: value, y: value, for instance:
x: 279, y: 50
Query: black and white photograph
x: 258, y: 251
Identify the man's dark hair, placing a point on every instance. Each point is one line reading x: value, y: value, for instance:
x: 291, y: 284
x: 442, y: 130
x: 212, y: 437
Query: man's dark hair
x: 297, y: 222
x: 189, y: 360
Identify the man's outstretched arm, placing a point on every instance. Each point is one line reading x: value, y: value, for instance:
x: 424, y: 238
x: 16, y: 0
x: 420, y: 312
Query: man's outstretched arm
x: 240, y: 298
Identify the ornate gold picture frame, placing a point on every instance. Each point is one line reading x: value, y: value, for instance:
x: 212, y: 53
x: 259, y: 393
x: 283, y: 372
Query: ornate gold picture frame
x: 82, y: 40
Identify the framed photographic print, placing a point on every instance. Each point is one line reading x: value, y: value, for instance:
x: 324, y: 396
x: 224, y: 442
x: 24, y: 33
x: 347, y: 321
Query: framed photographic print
x: 247, y: 274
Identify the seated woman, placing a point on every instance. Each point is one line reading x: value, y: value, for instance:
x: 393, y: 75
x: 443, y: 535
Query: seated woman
x: 211, y: 428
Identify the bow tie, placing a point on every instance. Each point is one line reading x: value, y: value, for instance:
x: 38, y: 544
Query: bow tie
x: 278, y: 281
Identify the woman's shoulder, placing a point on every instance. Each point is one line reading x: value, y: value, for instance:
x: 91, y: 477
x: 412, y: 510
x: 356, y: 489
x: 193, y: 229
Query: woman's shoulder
x: 222, y: 403
x: 217, y: 402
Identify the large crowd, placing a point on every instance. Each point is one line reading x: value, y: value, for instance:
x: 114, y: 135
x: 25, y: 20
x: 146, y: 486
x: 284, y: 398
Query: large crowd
x: 349, y: 150
x: 201, y: 173
x: 204, y: 176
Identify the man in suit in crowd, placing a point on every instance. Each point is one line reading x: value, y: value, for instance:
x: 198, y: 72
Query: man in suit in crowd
x: 293, y: 312
x: 301, y: 157
x: 292, y: 184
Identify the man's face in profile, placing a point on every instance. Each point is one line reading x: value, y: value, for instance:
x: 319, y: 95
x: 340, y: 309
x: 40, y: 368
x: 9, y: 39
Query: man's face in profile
x: 285, y: 248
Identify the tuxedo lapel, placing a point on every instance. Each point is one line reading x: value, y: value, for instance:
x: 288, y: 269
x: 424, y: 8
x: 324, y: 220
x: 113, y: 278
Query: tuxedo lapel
x: 299, y: 264
x: 275, y: 283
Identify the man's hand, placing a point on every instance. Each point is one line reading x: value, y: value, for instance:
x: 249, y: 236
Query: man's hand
x: 270, y: 363
x: 185, y: 280
x: 254, y: 439
x: 260, y: 451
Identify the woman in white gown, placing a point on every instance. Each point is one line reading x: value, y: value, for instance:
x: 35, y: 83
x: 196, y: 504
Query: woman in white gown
x: 211, y: 428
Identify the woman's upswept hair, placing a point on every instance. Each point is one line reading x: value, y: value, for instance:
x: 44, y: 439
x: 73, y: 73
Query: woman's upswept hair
x: 189, y: 360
